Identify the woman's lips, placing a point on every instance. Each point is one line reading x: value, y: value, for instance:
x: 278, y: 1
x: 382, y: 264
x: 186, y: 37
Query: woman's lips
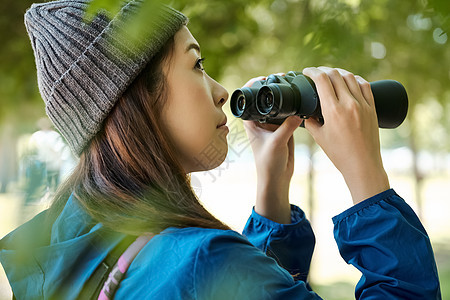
x: 223, y: 123
x: 223, y: 126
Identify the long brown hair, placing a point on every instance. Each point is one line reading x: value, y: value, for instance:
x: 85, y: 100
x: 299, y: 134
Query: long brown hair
x: 129, y: 177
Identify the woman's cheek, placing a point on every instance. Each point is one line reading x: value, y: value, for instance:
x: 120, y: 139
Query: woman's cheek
x: 208, y: 151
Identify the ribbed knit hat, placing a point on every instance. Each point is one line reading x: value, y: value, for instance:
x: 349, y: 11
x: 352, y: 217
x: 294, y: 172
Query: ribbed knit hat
x: 84, y: 67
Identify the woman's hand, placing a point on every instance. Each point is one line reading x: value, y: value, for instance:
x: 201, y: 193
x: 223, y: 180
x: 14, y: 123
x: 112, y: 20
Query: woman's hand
x: 273, y: 150
x: 350, y: 136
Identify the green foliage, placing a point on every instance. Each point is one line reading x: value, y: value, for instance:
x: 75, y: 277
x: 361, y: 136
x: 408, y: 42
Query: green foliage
x: 381, y: 39
x: 105, y: 7
x: 137, y: 27
x: 440, y: 11
x: 378, y: 39
x: 19, y: 98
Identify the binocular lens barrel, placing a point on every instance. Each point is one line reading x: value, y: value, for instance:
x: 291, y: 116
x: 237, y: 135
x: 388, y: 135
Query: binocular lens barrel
x: 274, y: 101
x: 277, y: 100
x: 239, y: 103
x: 243, y: 103
x: 391, y: 102
x: 265, y: 100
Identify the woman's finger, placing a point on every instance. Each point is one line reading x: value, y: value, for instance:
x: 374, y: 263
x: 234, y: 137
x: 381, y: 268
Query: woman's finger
x: 313, y: 126
x: 324, y: 87
x: 255, y: 125
x: 253, y: 80
x: 366, y: 90
x: 352, y: 83
x: 249, y: 124
x: 285, y: 131
x: 339, y: 85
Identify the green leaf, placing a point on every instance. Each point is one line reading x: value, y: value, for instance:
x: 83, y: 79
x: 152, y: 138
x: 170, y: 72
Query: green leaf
x: 107, y: 7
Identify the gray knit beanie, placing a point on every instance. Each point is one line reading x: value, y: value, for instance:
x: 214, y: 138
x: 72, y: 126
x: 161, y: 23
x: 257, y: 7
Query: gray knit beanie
x: 83, y: 68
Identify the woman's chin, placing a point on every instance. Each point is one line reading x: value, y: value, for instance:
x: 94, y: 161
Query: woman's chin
x: 211, y: 164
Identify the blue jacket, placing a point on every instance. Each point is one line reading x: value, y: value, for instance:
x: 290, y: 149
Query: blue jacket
x: 380, y: 236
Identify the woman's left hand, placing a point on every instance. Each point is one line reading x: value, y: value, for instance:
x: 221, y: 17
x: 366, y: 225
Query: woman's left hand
x: 350, y: 134
x: 273, y: 150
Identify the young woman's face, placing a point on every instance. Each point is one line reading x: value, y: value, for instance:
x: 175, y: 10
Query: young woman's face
x: 193, y: 113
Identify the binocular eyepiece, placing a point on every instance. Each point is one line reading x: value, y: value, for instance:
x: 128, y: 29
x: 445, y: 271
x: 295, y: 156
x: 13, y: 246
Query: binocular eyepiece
x: 278, y: 97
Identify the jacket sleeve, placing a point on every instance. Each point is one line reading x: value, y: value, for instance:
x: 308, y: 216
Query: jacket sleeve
x: 291, y: 245
x: 384, y: 239
x: 228, y: 266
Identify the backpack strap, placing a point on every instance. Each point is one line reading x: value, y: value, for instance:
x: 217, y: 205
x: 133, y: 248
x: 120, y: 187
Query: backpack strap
x: 121, y: 267
x: 93, y: 285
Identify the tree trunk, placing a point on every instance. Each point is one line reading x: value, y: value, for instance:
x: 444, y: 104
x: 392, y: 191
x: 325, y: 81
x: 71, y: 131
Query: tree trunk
x: 311, y: 179
x: 8, y: 156
x: 418, y: 175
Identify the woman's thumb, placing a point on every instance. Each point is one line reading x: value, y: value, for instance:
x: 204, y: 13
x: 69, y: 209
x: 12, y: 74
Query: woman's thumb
x: 285, y: 131
x: 312, y: 125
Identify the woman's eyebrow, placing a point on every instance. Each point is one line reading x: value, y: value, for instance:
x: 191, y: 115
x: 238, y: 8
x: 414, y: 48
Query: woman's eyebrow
x: 193, y: 46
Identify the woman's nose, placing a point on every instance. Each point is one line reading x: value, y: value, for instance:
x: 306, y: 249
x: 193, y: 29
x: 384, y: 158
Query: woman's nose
x: 220, y: 94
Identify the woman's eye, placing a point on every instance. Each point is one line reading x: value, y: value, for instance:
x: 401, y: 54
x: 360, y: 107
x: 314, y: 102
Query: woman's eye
x: 199, y: 64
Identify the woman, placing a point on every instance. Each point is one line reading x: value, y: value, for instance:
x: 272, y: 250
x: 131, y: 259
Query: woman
x: 139, y: 118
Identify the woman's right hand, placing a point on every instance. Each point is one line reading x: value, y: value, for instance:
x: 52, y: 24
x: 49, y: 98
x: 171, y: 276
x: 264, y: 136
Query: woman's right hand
x: 350, y: 135
x: 273, y: 150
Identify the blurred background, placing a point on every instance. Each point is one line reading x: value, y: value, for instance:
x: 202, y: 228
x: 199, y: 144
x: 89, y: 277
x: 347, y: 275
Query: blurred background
x: 377, y: 39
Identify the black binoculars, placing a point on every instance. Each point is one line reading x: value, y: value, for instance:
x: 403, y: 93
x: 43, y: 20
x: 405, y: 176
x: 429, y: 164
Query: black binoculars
x: 278, y: 97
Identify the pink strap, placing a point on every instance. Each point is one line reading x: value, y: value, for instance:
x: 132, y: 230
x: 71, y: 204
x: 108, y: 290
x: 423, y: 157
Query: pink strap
x: 121, y: 267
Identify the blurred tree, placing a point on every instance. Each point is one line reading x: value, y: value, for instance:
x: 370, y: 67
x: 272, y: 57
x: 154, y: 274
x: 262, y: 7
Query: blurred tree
x: 20, y: 104
x: 379, y: 39
x: 403, y: 40
x: 19, y: 96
